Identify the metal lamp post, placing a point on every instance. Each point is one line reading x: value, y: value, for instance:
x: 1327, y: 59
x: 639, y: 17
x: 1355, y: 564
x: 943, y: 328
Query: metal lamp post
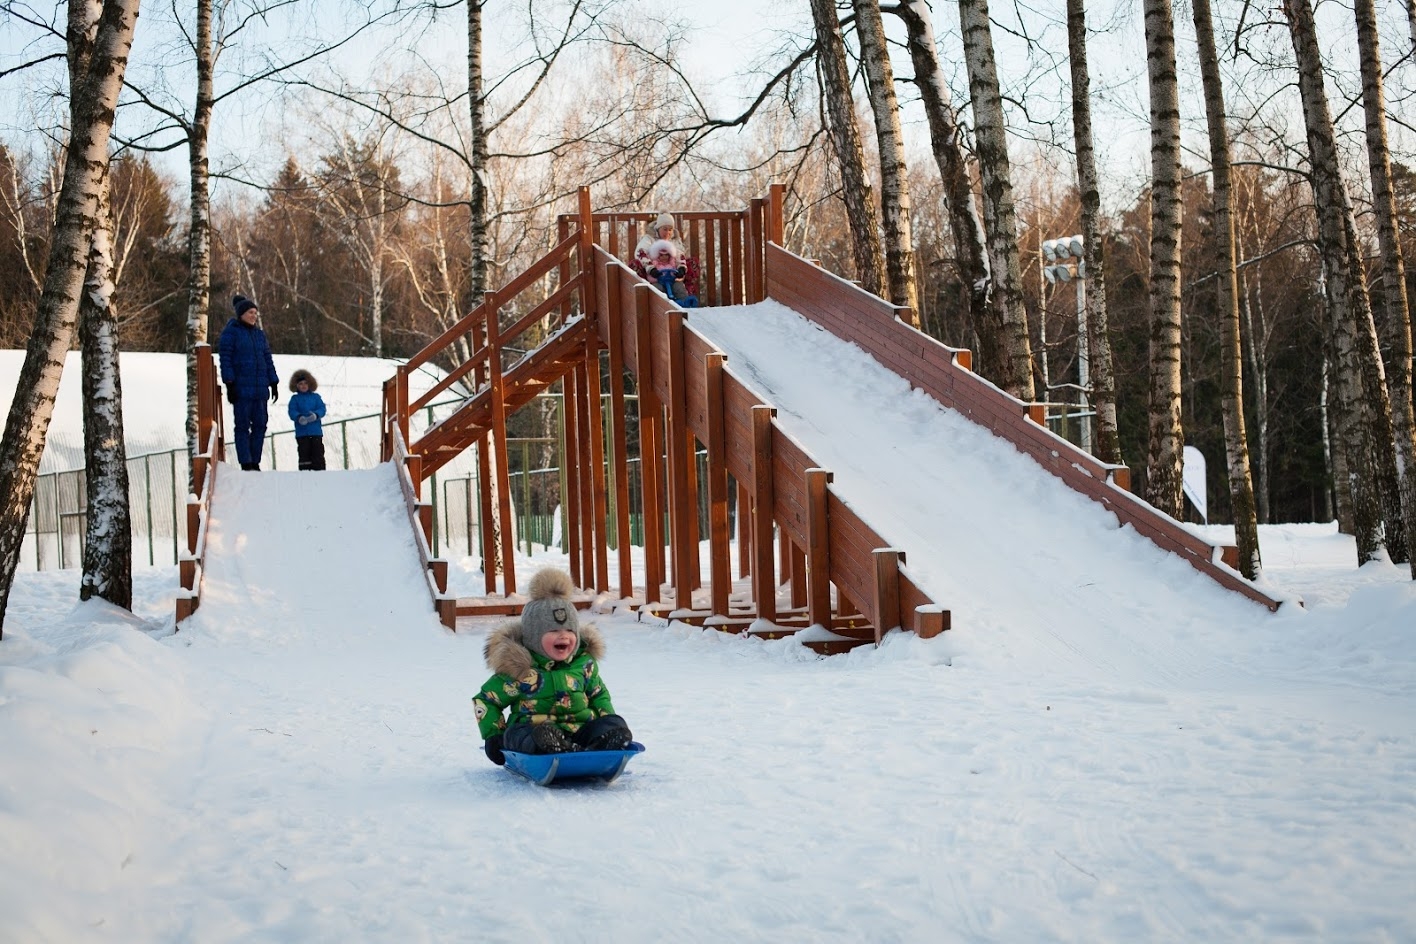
x: 1063, y: 261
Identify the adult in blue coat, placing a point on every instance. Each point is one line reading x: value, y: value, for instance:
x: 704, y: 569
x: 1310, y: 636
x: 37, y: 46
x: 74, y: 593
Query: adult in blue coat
x: 248, y: 371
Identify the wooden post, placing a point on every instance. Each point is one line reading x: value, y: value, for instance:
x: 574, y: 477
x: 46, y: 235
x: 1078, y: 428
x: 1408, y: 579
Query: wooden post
x: 930, y: 620
x: 588, y: 294
x: 690, y: 447
x: 818, y: 548
x: 596, y: 441
x: 744, y: 530
x: 886, y: 598
x: 588, y: 527
x: 570, y: 462
x: 757, y: 249
x: 764, y: 581
x: 618, y: 437
x: 488, y: 536
x: 492, y: 305
x: 650, y: 446
x: 719, y: 574
x: 776, y: 225
x: 736, y: 282
x: 793, y: 562
x: 682, y: 503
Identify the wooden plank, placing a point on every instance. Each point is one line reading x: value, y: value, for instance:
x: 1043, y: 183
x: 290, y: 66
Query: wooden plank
x: 764, y: 583
x: 682, y: 503
x: 885, y: 602
x: 720, y: 576
x: 619, y: 437
x: 818, y: 547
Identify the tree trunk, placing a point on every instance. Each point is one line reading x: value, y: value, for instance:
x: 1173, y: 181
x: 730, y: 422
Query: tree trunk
x: 1345, y: 294
x: 1164, y: 460
x: 1236, y: 441
x: 856, y: 191
x: 93, y: 101
x: 199, y: 232
x: 949, y: 154
x: 1259, y: 380
x: 1007, y: 356
x: 1398, y: 314
x: 480, y: 239
x: 108, y: 536
x: 894, y: 174
x: 1102, y: 376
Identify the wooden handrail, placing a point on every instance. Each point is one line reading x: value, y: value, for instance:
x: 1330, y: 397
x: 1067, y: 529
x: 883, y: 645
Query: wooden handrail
x: 211, y: 441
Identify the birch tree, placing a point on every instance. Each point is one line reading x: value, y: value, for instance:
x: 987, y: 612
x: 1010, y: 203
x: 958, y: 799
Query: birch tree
x: 1166, y: 441
x: 1004, y: 348
x: 93, y: 101
x: 1398, y: 314
x: 1241, y: 483
x: 894, y: 175
x: 1349, y: 322
x: 856, y: 192
x: 108, y: 536
x: 1102, y: 377
x: 946, y: 142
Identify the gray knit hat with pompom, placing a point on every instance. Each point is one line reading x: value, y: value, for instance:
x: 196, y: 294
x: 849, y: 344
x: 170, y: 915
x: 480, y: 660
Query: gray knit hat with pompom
x: 550, y: 609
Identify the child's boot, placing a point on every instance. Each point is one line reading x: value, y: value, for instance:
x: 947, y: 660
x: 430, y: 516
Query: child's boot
x: 550, y: 739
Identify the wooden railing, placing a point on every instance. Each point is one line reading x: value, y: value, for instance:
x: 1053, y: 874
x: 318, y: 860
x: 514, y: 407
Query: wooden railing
x: 689, y: 395
x: 420, y: 515
x: 211, y: 439
x: 728, y: 244
x: 942, y: 372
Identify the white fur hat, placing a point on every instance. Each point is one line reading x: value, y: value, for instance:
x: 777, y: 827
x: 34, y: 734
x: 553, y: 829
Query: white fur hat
x: 665, y: 219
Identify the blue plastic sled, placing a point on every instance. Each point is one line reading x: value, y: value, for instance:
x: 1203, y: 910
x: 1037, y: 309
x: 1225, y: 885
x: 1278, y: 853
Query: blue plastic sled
x: 581, y: 765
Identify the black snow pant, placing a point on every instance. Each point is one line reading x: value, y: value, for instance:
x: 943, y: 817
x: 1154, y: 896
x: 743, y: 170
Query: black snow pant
x: 310, y: 450
x: 593, y: 736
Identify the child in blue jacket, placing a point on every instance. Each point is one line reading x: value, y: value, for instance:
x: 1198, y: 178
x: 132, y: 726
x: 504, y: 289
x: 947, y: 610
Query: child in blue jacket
x: 306, y: 409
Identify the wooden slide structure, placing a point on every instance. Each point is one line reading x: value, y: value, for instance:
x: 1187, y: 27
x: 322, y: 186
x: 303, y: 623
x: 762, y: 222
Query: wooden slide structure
x: 806, y: 559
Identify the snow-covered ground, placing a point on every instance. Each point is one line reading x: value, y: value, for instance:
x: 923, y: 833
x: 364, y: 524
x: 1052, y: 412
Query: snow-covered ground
x: 1106, y: 747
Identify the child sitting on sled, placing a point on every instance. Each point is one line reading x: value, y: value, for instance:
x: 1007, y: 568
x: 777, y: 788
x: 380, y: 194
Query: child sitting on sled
x: 547, y: 680
x: 668, y: 267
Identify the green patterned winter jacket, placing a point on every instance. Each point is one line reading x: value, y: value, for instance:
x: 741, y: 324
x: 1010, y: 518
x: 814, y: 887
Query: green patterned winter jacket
x: 533, y: 689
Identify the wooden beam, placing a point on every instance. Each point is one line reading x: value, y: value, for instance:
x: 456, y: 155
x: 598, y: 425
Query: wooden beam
x: 886, y: 600
x: 498, y: 396
x: 764, y: 581
x: 682, y: 502
x: 650, y: 446
x: 720, y: 576
x: 595, y: 439
x: 570, y: 499
x: 818, y: 548
x: 619, y: 439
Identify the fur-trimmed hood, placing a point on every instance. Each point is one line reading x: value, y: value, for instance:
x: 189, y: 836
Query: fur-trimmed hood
x: 507, y: 656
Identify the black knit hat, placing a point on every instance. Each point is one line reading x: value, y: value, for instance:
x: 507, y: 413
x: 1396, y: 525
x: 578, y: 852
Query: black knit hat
x: 242, y: 304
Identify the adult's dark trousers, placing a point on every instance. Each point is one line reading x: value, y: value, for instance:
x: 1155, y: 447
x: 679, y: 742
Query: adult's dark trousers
x: 310, y: 449
x: 250, y: 428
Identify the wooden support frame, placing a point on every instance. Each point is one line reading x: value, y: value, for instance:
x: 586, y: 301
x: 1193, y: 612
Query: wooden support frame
x: 619, y: 438
x: 818, y: 548
x: 886, y: 600
x: 570, y: 497
x: 595, y: 439
x: 764, y: 580
x: 498, y: 394
x: 720, y: 578
x: 683, y: 501
x: 650, y: 447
